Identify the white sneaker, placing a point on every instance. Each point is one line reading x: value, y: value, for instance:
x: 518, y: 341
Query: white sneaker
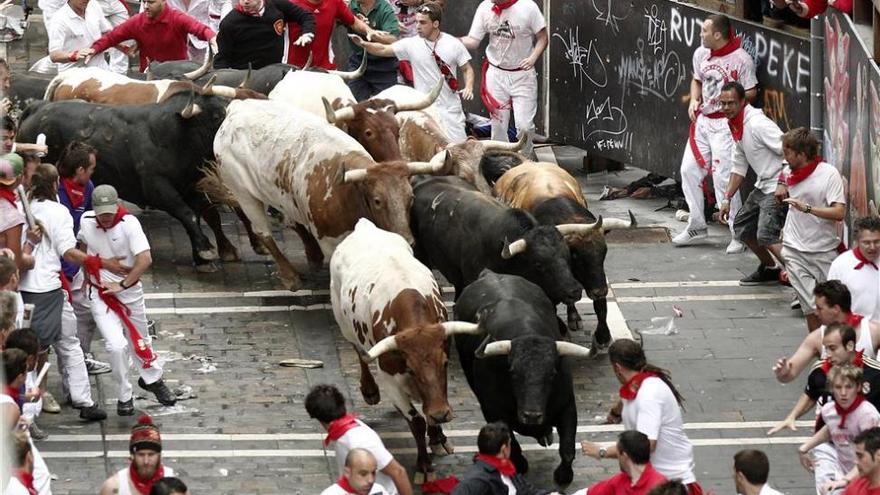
x: 735, y: 247
x: 689, y: 237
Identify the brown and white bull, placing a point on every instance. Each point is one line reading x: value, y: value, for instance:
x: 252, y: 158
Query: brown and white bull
x: 102, y: 86
x: 390, y: 309
x: 554, y: 197
x: 272, y: 154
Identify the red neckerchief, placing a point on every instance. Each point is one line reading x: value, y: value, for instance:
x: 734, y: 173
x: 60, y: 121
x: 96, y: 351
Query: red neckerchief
x: 737, y: 124
x: 498, y: 8
x: 344, y: 484
x: 144, y: 486
x: 445, y: 70
x: 843, y: 413
x: 853, y: 319
x: 858, y: 361
x: 8, y: 195
x: 862, y: 260
x: 732, y: 45
x: 92, y: 266
x: 12, y: 392
x: 76, y: 192
x: 120, y: 212
x: 799, y: 175
x: 339, y: 426
x: 239, y: 8
x: 26, y: 479
x: 630, y: 389
x: 503, y: 466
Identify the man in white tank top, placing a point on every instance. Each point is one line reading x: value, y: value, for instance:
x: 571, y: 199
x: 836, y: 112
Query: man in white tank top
x: 146, y: 468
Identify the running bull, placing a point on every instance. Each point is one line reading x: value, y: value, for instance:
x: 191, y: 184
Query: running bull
x: 390, y: 309
x: 519, y: 372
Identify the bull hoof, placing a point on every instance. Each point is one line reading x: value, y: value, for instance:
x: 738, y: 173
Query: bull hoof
x: 208, y: 254
x: 291, y: 282
x: 546, y: 440
x: 563, y: 475
x: 259, y: 248
x: 230, y: 254
x: 209, y: 267
x: 371, y: 397
x: 442, y: 449
x: 575, y: 325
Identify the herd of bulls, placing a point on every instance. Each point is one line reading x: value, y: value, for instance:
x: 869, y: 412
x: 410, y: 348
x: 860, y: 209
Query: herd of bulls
x: 376, y: 188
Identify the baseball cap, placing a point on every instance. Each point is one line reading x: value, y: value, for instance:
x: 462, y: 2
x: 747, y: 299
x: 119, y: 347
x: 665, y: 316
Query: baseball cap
x: 11, y: 168
x: 105, y: 199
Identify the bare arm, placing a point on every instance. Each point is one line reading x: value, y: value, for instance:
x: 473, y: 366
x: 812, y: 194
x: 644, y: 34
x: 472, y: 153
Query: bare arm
x: 377, y: 49
x: 696, y: 99
x: 787, y: 370
x: 468, y: 92
x: 110, y: 487
x: 834, y: 212
x: 470, y: 43
x: 804, y: 404
x: 142, y: 262
x: 398, y: 475
x: 540, y: 45
x: 10, y: 414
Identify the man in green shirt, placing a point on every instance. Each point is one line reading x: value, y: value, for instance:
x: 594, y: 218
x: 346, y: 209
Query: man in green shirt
x: 381, y: 72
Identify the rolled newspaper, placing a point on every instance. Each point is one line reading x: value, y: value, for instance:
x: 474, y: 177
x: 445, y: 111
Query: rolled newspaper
x: 29, y: 215
x: 43, y: 373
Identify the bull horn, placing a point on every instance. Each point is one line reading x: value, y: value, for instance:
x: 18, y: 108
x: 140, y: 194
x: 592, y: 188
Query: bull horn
x: 579, y: 228
x: 206, y: 89
x: 455, y: 327
x: 201, y: 71
x: 383, y: 346
x: 225, y: 91
x: 308, y: 62
x: 191, y: 109
x: 616, y: 223
x: 490, y: 145
x: 247, y: 77
x: 437, y: 163
x: 352, y: 75
x: 356, y: 175
x: 423, y: 102
x: 499, y: 348
x: 340, y: 116
x: 514, y: 248
x: 570, y: 349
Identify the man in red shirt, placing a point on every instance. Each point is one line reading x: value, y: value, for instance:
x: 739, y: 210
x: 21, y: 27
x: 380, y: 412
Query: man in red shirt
x: 868, y: 464
x: 160, y: 31
x: 636, y: 476
x: 326, y: 13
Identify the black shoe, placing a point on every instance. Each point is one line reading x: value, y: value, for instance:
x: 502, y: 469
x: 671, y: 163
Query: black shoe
x: 125, y: 408
x: 93, y: 413
x: 163, y: 394
x: 762, y: 276
x: 37, y: 433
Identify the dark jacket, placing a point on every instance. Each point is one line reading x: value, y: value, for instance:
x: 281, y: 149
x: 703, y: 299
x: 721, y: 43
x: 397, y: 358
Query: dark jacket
x: 483, y: 479
x: 245, y: 39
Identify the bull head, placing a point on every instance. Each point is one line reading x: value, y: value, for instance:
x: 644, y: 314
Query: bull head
x: 351, y: 76
x: 449, y: 328
x: 490, y: 145
x: 502, y: 348
x: 567, y: 229
x: 206, y: 66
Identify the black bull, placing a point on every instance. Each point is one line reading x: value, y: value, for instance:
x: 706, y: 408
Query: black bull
x: 152, y: 154
x: 523, y: 378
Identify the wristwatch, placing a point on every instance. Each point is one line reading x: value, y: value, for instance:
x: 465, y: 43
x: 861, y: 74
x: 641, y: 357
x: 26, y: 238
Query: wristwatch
x: 808, y: 209
x: 603, y: 452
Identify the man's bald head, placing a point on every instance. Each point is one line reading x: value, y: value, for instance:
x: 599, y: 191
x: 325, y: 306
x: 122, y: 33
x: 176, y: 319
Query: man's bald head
x: 360, y: 470
x: 358, y: 456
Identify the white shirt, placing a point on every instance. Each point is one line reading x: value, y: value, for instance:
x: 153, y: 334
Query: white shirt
x: 511, y: 490
x: 511, y: 34
x: 863, y: 418
x: 760, y: 149
x: 113, y: 8
x: 122, y: 479
x: 68, y: 32
x: 198, y: 9
x: 335, y: 489
x: 419, y: 52
x: 766, y: 490
x: 14, y: 487
x: 365, y: 438
x: 714, y: 72
x: 11, y: 216
x: 58, y: 238
x: 124, y: 241
x: 804, y: 231
x: 656, y: 413
x: 863, y: 284
x: 49, y: 7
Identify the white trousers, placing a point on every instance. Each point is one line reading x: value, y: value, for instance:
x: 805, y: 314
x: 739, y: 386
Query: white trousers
x: 71, y: 361
x: 118, y: 60
x: 826, y: 467
x: 82, y: 309
x: 715, y: 144
x: 519, y: 90
x: 119, y: 342
x: 42, y: 477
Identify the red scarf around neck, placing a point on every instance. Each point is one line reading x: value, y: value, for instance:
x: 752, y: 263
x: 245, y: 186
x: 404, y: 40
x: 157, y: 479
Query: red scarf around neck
x: 853, y: 319
x: 503, y: 466
x: 26, y: 479
x: 142, y: 348
x: 345, y: 485
x: 498, y: 8
x: 12, y: 392
x: 802, y: 173
x: 339, y: 426
x: 843, y: 413
x: 732, y: 45
x: 76, y: 192
x: 144, y: 486
x: 120, y: 212
x: 630, y: 389
x: 239, y: 8
x: 8, y: 195
x: 858, y: 362
x: 862, y: 259
x: 737, y: 124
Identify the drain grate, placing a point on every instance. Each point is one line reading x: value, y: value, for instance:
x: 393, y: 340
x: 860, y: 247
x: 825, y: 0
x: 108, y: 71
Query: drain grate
x: 640, y: 235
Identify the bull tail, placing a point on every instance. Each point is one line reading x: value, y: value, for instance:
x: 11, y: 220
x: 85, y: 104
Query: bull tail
x: 212, y: 186
x: 53, y: 85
